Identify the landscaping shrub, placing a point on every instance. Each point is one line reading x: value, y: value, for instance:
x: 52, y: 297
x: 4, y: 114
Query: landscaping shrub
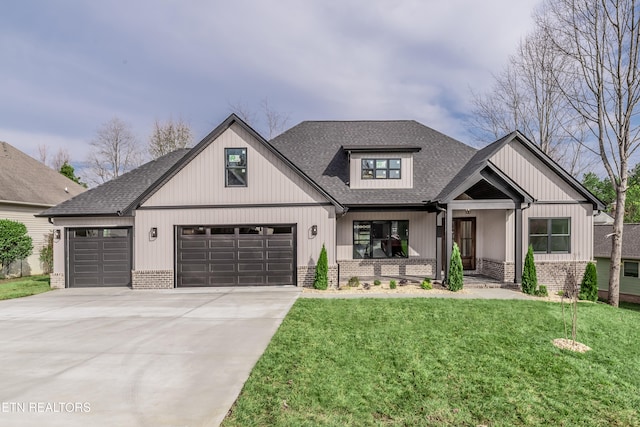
x: 589, y: 284
x: 393, y: 284
x: 376, y: 282
x: 529, y: 275
x: 322, y: 268
x: 542, y: 291
x: 354, y: 282
x: 426, y: 284
x: 46, y: 254
x: 455, y: 280
x: 15, y: 244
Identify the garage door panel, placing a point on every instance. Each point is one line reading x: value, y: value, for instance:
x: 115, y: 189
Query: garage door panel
x: 85, y: 246
x: 236, y: 256
x: 84, y: 281
x: 115, y: 245
x: 86, y: 268
x: 115, y: 256
x: 193, y: 244
x: 114, y: 268
x: 193, y: 268
x: 85, y: 257
x: 121, y: 280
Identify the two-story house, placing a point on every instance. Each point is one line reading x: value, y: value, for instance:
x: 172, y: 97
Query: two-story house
x: 386, y: 198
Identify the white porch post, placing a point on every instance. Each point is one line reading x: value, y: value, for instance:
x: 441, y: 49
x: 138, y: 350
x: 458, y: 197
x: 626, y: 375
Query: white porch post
x: 439, y: 234
x: 448, y: 230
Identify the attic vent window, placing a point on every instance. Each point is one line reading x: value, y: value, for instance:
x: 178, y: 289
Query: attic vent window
x: 381, y: 168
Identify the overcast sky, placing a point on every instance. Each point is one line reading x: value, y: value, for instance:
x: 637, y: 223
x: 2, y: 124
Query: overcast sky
x: 69, y: 66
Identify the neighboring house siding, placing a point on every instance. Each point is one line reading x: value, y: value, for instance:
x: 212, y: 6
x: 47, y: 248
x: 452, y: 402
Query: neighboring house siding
x: 202, y: 181
x: 628, y: 285
x: 37, y: 229
x: 406, y: 175
x: 533, y: 175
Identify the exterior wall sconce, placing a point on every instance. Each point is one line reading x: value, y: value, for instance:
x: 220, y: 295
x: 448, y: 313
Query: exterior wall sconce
x: 56, y: 235
x: 314, y: 230
x: 467, y: 211
x: 153, y: 233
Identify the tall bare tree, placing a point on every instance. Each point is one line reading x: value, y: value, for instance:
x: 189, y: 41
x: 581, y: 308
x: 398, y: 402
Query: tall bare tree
x: 273, y: 122
x: 114, y: 151
x: 43, y: 153
x: 61, y: 157
x: 169, y: 136
x: 525, y: 96
x: 601, y: 39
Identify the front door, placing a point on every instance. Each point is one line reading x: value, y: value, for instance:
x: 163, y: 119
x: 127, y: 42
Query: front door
x: 464, y: 234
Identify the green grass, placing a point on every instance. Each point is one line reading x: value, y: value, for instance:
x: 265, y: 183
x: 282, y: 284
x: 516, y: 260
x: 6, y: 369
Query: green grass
x: 441, y: 362
x: 23, y: 286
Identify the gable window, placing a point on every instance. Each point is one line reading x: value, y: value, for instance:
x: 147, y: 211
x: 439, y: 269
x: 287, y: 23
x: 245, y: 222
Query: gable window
x: 381, y: 168
x: 235, y: 167
x: 380, y: 239
x: 630, y: 269
x: 550, y: 235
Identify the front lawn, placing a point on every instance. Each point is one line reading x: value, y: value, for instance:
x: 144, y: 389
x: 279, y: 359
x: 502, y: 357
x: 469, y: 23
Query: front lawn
x: 444, y: 362
x: 23, y: 286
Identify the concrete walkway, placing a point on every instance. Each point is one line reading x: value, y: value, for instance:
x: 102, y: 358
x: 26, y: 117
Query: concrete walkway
x: 117, y: 357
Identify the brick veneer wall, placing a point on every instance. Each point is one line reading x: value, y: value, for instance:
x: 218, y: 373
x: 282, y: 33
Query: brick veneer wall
x: 386, y: 267
x: 307, y: 275
x: 152, y: 279
x: 555, y: 275
x: 57, y: 280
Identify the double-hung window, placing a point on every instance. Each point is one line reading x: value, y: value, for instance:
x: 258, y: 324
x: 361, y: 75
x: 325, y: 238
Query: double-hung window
x: 550, y: 235
x: 381, y: 168
x: 235, y: 167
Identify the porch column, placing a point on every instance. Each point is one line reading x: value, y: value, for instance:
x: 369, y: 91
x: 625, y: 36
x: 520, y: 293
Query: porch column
x: 439, y: 234
x: 518, y: 243
x: 448, y: 231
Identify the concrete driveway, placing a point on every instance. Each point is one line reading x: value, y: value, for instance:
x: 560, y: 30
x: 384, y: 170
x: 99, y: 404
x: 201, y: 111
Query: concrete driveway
x: 117, y: 357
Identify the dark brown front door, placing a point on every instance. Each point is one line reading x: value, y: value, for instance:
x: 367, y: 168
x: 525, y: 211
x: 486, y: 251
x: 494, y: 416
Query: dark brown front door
x: 464, y: 234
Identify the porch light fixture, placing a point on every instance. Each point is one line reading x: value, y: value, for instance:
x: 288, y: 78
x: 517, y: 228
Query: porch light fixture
x: 314, y: 230
x: 467, y: 211
x: 56, y: 235
x: 153, y: 233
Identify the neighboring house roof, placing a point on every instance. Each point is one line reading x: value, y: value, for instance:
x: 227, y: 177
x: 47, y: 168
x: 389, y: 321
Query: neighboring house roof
x: 320, y: 149
x: 126, y: 193
x: 630, y: 241
x: 117, y: 196
x: 602, y: 218
x: 24, y: 180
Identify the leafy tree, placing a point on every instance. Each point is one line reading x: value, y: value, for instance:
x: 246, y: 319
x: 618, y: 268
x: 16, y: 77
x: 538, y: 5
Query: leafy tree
x: 322, y: 268
x: 455, y: 279
x: 67, y: 170
x: 15, y: 244
x: 529, y: 275
x: 603, y: 190
x: 169, y: 136
x: 589, y: 284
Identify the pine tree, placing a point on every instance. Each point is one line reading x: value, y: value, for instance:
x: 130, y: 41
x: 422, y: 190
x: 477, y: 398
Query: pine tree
x: 322, y: 267
x: 589, y: 284
x: 529, y: 275
x: 455, y: 280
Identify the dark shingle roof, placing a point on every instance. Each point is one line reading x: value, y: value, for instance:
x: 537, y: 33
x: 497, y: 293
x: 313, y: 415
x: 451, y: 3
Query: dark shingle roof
x: 23, y: 179
x: 317, y: 149
x: 117, y: 197
x: 630, y: 241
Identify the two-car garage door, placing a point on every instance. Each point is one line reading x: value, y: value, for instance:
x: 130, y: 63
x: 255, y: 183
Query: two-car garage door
x: 235, y: 255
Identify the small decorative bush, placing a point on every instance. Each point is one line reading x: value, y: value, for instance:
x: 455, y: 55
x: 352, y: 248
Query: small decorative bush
x: 455, y: 279
x: 542, y: 291
x: 353, y: 282
x: 529, y: 275
x: 426, y: 284
x: 376, y: 282
x: 589, y: 284
x: 392, y: 284
x: 321, y: 280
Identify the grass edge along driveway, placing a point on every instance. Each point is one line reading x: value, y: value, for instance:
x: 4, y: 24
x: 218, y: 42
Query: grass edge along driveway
x: 444, y: 362
x: 24, y: 286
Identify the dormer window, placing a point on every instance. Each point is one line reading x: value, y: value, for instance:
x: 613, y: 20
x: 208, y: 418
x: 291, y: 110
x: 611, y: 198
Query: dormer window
x: 235, y: 167
x: 381, y: 168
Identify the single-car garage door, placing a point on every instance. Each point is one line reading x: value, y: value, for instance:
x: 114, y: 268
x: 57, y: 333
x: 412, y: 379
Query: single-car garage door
x: 241, y: 255
x: 99, y: 257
